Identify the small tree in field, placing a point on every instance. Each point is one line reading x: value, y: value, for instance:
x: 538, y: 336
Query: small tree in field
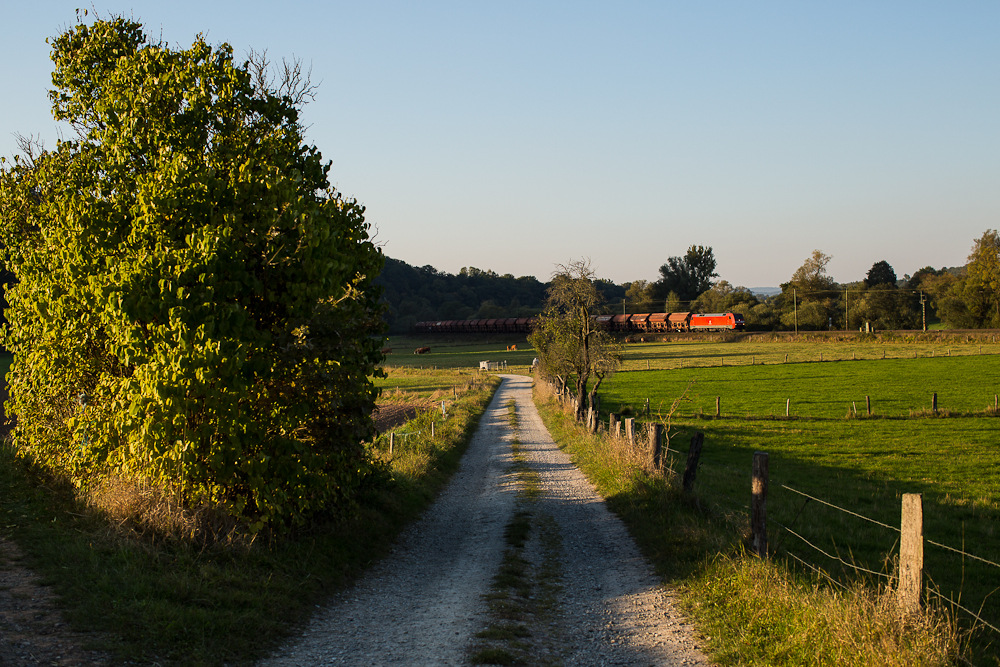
x: 193, y: 306
x: 570, y: 344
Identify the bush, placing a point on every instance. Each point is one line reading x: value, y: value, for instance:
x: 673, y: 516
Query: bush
x: 193, y: 305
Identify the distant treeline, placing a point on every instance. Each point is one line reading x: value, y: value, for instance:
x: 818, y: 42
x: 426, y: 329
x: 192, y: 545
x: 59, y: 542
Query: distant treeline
x: 414, y: 294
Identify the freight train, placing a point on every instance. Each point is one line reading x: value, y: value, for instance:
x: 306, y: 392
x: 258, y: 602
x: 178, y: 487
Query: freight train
x: 634, y: 323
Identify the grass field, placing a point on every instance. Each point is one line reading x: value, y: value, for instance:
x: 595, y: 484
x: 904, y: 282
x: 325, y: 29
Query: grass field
x: 860, y: 464
x: 896, y: 387
x: 459, y: 352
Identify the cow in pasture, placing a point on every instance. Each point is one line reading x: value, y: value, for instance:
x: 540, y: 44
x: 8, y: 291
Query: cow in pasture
x: 422, y: 350
x: 512, y: 348
x: 386, y: 350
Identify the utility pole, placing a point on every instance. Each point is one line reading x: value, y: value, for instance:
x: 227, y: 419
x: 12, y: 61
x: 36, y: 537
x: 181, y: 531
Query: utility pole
x: 845, y: 310
x: 795, y: 310
x: 923, y: 308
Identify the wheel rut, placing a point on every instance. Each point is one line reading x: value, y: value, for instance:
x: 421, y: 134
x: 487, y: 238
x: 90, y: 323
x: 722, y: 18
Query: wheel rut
x: 425, y: 604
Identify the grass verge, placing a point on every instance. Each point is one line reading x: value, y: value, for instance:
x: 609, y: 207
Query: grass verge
x: 751, y: 612
x: 169, y: 602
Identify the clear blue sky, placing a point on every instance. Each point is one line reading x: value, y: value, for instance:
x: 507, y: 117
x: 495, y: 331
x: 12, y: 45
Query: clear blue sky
x: 516, y: 135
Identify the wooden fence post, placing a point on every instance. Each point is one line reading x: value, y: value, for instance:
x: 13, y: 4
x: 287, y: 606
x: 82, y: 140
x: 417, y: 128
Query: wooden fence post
x: 758, y: 504
x: 655, y: 445
x: 788, y: 406
x: 432, y: 430
x: 392, y: 440
x: 911, y: 553
x: 694, y: 454
x: 868, y: 402
x: 934, y: 402
x: 613, y: 424
x: 630, y: 430
x: 718, y: 400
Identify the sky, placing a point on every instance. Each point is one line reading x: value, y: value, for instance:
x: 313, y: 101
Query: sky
x: 516, y: 136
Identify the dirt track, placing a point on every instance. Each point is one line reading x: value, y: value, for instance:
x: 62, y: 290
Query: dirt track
x: 424, y: 604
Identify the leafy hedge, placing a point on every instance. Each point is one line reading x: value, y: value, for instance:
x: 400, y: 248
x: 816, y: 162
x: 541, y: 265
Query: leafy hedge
x: 193, y: 304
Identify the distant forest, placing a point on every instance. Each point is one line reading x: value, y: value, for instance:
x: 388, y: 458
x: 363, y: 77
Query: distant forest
x: 414, y: 294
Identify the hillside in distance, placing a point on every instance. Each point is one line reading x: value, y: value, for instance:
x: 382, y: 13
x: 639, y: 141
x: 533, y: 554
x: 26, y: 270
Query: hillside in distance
x: 414, y: 294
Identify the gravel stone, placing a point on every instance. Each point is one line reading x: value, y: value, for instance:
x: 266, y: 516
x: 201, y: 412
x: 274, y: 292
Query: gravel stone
x: 424, y: 603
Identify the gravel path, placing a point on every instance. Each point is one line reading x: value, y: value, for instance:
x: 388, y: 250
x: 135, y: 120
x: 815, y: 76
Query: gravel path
x: 424, y: 604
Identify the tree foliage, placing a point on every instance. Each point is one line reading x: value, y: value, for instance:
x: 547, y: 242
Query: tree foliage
x: 194, y: 305
x: 982, y: 285
x: 882, y: 274
x: 570, y: 344
x: 688, y: 276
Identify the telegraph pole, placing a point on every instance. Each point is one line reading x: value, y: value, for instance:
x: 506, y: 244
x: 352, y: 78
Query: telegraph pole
x: 795, y: 310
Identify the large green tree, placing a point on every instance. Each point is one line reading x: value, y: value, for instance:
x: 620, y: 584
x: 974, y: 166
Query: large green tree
x: 809, y: 299
x: 687, y: 276
x: 982, y: 284
x: 193, y: 306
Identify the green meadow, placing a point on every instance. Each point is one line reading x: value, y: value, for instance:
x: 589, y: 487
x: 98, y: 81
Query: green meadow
x: 460, y: 352
x: 895, y: 387
x: 830, y: 454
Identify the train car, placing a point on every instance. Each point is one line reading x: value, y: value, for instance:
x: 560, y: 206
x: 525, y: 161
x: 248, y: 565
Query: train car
x: 679, y: 321
x: 659, y: 323
x: 639, y: 322
x: 716, y: 322
x: 619, y: 323
x: 604, y: 322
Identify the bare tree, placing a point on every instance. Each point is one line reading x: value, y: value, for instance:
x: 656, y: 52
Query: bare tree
x: 569, y: 342
x: 287, y: 80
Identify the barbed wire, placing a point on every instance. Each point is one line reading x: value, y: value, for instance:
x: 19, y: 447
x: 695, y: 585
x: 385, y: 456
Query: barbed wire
x: 968, y: 611
x: 842, y: 509
x: 835, y: 557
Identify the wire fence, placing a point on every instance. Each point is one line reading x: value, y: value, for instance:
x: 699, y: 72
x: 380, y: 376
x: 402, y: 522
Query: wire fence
x: 833, y: 555
x: 814, y: 545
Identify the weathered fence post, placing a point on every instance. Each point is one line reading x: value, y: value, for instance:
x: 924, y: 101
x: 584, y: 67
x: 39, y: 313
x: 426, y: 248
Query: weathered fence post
x: 911, y: 552
x: 432, y: 430
x: 613, y: 424
x: 647, y: 407
x: 934, y: 403
x: 630, y: 430
x: 758, y: 504
x: 788, y: 406
x: 718, y: 405
x: 868, y: 403
x: 694, y: 454
x: 655, y: 432
x: 392, y: 441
